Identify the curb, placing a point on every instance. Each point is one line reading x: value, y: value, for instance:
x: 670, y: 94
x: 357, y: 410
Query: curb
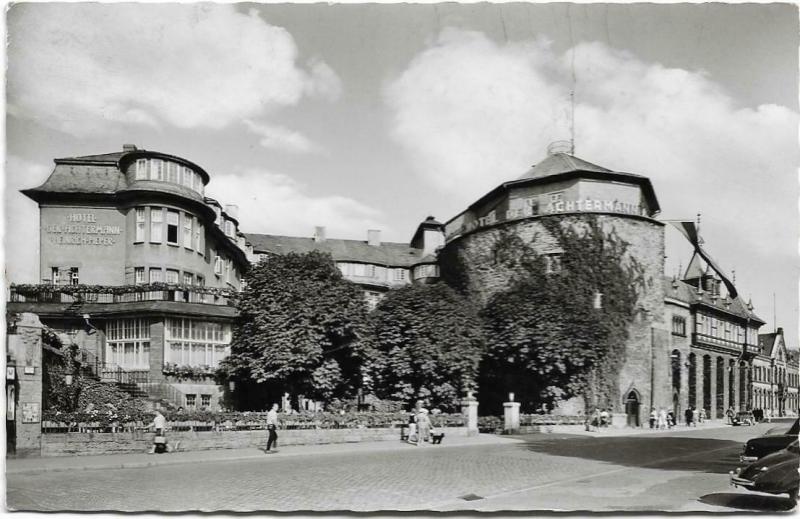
x: 391, y: 446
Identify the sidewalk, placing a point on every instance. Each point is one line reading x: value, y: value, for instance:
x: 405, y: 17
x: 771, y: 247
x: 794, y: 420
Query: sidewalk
x: 141, y: 460
x: 627, y: 431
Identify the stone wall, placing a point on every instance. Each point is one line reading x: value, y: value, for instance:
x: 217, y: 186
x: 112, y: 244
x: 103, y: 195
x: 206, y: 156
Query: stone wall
x: 469, y: 263
x: 86, y: 444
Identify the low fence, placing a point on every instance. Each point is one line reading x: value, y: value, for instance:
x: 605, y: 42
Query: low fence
x: 138, y: 440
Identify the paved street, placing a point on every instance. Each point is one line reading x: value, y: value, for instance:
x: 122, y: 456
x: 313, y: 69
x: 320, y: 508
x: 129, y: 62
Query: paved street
x: 681, y: 471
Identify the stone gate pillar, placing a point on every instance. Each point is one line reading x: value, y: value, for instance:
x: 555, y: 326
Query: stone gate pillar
x: 511, y: 415
x: 25, y: 357
x: 712, y: 413
x: 469, y: 408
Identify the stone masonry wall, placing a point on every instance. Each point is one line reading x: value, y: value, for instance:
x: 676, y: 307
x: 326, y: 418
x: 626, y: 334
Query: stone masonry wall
x: 470, y: 262
x: 86, y: 444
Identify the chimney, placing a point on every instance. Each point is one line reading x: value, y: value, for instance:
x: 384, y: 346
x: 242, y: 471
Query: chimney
x: 232, y: 210
x: 780, y: 331
x: 128, y: 147
x: 319, y: 234
x: 374, y: 237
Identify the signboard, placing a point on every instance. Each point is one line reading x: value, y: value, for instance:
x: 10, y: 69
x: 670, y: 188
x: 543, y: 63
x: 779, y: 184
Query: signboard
x: 82, y: 229
x: 30, y: 412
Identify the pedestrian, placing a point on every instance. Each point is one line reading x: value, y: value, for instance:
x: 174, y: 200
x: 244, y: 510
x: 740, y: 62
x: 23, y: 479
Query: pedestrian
x: 159, y: 424
x: 653, y: 417
x: 662, y: 418
x: 596, y: 419
x: 272, y: 429
x: 688, y: 416
x: 423, y: 426
x: 670, y: 419
x: 604, y: 418
x: 703, y: 414
x: 769, y: 415
x: 412, y: 428
x: 729, y: 415
x: 695, y: 416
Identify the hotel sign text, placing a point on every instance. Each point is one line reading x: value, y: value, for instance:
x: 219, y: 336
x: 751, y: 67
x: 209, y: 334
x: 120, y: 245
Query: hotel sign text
x: 82, y: 229
x: 562, y: 206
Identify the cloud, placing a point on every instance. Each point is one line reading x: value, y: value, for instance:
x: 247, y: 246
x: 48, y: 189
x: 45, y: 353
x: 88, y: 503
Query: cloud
x: 274, y: 203
x: 85, y: 68
x: 280, y: 138
x: 472, y: 113
x: 22, y: 219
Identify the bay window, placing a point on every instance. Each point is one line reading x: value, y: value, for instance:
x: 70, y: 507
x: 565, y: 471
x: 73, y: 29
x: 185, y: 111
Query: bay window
x: 128, y: 343
x: 156, y: 275
x: 156, y: 169
x: 191, y: 342
x: 141, y: 169
x: 138, y: 275
x: 172, y: 277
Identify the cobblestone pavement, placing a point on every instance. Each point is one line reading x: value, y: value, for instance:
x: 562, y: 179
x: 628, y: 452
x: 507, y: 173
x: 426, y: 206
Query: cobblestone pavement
x: 679, y: 471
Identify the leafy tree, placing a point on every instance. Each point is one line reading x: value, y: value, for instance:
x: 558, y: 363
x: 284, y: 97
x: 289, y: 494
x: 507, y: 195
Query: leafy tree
x: 299, y: 322
x: 559, y: 332
x: 426, y: 343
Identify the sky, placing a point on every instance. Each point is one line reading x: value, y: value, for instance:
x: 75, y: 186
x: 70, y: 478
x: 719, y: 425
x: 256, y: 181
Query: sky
x: 375, y: 116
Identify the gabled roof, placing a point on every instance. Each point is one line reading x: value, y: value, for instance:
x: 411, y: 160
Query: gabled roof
x: 695, y: 269
x: 387, y: 253
x: 682, y: 291
x: 559, y: 163
x: 767, y: 342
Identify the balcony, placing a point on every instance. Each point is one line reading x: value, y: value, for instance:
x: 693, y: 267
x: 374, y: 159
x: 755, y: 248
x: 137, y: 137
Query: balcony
x: 709, y: 340
x: 78, y: 295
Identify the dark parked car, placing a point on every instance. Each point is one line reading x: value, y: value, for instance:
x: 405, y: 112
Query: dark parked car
x: 775, y: 473
x: 776, y: 439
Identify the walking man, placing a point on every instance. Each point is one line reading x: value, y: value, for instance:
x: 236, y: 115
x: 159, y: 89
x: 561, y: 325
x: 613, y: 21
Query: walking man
x: 653, y: 418
x: 688, y: 416
x: 272, y: 426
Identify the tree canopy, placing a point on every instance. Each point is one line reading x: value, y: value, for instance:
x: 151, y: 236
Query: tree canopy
x: 425, y: 343
x: 298, y: 325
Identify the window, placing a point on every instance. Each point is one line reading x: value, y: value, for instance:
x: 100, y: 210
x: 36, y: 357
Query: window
x: 128, y: 343
x: 187, y: 230
x: 191, y: 400
x: 218, y: 265
x: 205, y: 400
x: 55, y: 275
x: 399, y: 274
x: 138, y: 275
x: 552, y: 263
x: 156, y: 169
x: 172, y: 172
x: 156, y: 224
x: 228, y: 263
x: 191, y: 342
x: 188, y: 174
x: 678, y: 325
x: 172, y: 227
x: 218, y: 213
x: 198, y: 235
x: 172, y: 276
x: 201, y: 282
x: 141, y: 169
x: 229, y: 228
x: 74, y: 277
x: 188, y: 278
x: 156, y: 276
x: 140, y: 223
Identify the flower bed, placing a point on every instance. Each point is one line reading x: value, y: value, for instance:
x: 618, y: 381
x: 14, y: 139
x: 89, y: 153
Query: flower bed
x: 233, y: 421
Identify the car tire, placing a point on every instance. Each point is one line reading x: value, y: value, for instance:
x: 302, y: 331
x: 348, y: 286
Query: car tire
x: 793, y: 495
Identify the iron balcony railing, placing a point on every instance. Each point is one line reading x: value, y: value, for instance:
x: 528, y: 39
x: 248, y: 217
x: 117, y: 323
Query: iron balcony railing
x: 700, y: 338
x: 121, y: 294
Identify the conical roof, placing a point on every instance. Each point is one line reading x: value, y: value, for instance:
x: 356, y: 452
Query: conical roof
x: 558, y: 163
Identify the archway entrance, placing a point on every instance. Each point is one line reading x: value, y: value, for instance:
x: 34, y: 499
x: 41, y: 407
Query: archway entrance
x: 632, y: 404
